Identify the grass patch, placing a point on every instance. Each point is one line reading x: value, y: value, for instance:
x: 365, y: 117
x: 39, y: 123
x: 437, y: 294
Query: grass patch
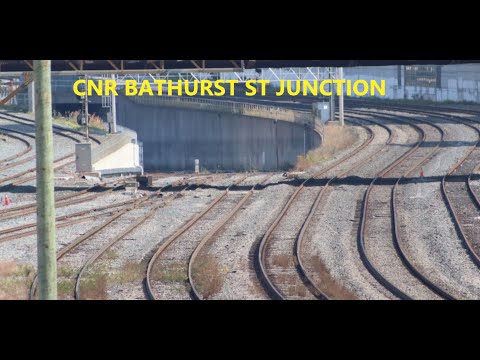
x: 281, y: 260
x: 328, y: 284
x: 15, y: 280
x: 174, y: 272
x: 336, y: 138
x: 65, y: 271
x: 65, y: 289
x: 94, y: 285
x: 70, y: 121
x: 110, y: 254
x: 207, y: 276
x: 129, y: 273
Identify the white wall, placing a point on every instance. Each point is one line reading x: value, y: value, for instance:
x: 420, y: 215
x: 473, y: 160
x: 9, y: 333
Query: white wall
x: 125, y: 157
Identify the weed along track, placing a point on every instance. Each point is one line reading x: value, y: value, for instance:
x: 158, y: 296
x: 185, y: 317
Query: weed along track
x: 167, y: 270
x: 204, y: 277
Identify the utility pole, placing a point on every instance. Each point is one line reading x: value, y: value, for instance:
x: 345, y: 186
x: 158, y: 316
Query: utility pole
x: 341, y: 98
x: 113, y: 105
x: 46, y: 234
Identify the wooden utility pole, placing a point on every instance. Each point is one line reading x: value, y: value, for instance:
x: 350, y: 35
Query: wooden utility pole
x: 46, y: 234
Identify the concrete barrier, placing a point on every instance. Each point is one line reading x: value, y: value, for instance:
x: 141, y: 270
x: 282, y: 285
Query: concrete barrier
x: 118, y: 154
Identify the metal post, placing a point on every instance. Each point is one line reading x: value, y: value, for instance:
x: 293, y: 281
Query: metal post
x: 276, y: 138
x: 113, y: 105
x: 332, y: 98
x: 46, y: 234
x: 341, y: 99
x: 31, y: 97
x: 86, y: 107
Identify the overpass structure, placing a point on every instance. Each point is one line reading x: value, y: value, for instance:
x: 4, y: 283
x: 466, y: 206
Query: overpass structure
x: 80, y: 67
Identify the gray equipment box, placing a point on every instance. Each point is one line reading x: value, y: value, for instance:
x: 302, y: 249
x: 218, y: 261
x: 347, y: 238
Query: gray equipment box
x: 83, y: 157
x: 322, y: 111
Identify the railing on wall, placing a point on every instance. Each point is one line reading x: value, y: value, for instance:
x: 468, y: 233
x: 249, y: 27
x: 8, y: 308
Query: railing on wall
x: 232, y: 107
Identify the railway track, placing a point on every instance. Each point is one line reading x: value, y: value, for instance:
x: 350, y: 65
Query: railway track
x: 195, y: 290
x: 463, y: 206
x: 59, y: 130
x: 460, y: 198
x: 28, y: 147
x: 23, y: 177
x: 380, y: 212
x: 288, y: 260
x: 116, y: 219
x: 134, y: 225
x: 456, y: 187
x: 305, y: 263
x: 119, y: 215
x: 175, y: 252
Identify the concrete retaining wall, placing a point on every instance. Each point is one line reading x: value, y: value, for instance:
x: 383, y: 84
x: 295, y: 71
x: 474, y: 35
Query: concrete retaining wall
x: 173, y: 138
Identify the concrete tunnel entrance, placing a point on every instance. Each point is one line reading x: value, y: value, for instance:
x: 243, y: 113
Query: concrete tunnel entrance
x: 174, y: 137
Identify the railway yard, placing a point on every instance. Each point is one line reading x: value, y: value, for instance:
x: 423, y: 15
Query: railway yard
x: 393, y: 216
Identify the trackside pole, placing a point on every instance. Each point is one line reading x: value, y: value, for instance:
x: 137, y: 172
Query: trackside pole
x: 341, y: 98
x: 46, y: 234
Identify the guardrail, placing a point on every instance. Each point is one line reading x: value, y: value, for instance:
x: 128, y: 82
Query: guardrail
x: 233, y: 107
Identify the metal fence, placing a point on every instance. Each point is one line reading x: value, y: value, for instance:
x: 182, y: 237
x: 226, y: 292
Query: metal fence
x: 232, y: 107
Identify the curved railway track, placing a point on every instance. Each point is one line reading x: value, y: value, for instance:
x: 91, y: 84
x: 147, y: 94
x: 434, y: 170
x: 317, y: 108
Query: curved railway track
x: 190, y: 235
x: 459, y: 197
x: 28, y: 147
x: 397, y: 170
x: 273, y: 290
x: 195, y: 291
x: 59, y: 130
x: 459, y: 193
x: 149, y: 204
x: 60, y: 162
x: 82, y: 239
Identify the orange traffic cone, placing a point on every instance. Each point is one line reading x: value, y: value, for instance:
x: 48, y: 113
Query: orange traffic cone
x: 7, y: 200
